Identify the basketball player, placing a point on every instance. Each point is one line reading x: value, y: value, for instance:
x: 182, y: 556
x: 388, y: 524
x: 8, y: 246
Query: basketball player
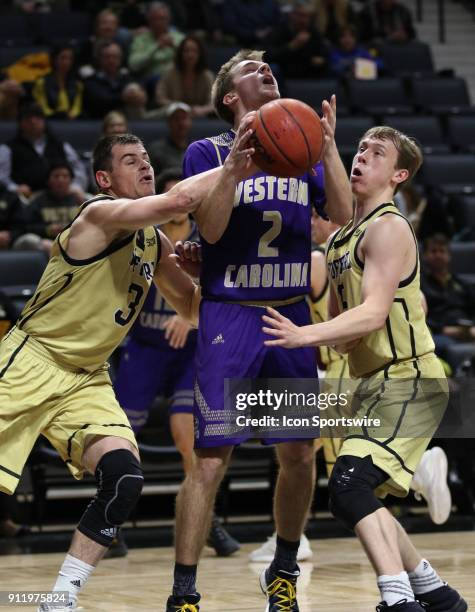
x: 159, y: 359
x: 375, y: 298
x: 53, y: 372
x: 430, y: 479
x: 249, y: 248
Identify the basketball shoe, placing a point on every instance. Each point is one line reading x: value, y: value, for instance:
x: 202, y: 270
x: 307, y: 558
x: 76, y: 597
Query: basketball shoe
x: 400, y: 606
x: 220, y: 540
x: 185, y: 603
x: 430, y: 482
x: 266, y: 552
x: 281, y: 591
x: 443, y: 599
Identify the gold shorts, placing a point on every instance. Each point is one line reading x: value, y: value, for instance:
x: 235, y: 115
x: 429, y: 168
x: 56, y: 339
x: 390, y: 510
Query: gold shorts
x: 37, y: 396
x: 410, y: 398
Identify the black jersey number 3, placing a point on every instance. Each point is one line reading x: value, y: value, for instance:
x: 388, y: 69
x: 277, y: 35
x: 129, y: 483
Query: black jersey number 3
x: 124, y: 318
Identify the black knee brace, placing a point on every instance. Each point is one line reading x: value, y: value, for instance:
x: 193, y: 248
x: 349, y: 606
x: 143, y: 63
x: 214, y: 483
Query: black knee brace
x: 351, y: 489
x: 119, y: 484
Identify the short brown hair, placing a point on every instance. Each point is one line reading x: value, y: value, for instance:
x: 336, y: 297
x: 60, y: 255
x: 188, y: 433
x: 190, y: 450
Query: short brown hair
x: 102, y: 154
x: 409, y: 152
x: 223, y: 82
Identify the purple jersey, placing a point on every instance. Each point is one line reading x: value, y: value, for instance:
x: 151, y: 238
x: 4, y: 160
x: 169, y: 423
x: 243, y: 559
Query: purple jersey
x: 149, y: 326
x: 264, y: 253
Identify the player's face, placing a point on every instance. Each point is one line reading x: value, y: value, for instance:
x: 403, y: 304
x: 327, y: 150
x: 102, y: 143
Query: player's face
x: 254, y: 84
x: 374, y: 167
x: 132, y: 175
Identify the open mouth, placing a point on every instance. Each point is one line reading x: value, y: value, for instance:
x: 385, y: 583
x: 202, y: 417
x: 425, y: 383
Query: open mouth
x: 146, y: 179
x: 268, y: 80
x: 356, y: 172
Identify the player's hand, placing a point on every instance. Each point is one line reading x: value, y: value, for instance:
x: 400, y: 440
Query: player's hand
x: 328, y: 122
x: 187, y: 256
x: 239, y: 162
x: 286, y: 334
x: 176, y: 332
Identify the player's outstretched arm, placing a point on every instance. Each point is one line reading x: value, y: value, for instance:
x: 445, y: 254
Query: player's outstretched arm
x: 339, y: 205
x: 388, y: 247
x: 175, y: 285
x: 214, y: 212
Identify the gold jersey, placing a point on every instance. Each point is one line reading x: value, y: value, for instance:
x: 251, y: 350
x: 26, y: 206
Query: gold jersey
x: 319, y: 314
x: 82, y: 309
x: 405, y: 334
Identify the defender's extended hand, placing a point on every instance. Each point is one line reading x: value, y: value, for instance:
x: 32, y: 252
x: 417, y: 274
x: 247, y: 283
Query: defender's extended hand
x: 187, y: 256
x: 285, y: 332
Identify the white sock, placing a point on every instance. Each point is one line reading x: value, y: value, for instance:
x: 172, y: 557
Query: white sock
x: 424, y: 578
x: 72, y: 576
x: 395, y: 588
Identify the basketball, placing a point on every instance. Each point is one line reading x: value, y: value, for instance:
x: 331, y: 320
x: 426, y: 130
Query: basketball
x: 288, y: 138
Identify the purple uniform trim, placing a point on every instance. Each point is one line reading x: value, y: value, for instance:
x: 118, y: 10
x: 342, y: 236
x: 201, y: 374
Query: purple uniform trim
x: 231, y: 345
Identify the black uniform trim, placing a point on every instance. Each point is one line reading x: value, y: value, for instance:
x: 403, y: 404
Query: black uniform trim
x: 415, y: 391
x: 391, y: 343
x: 13, y: 355
x: 159, y: 245
x: 85, y: 426
x: 344, y: 239
x: 9, y: 472
x: 355, y: 252
x: 386, y: 448
x: 403, y: 303
x: 407, y: 281
x: 69, y: 278
x: 112, y: 248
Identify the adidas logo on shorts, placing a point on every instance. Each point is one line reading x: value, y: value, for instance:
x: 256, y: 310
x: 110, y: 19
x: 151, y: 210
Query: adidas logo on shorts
x: 219, y: 339
x: 111, y: 532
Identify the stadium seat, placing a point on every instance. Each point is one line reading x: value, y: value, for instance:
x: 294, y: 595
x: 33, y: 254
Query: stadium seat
x: 20, y: 272
x: 462, y: 257
x: 80, y: 134
x: 442, y: 96
x: 426, y: 130
x: 380, y: 97
x: 7, y: 131
x: 410, y: 58
x: 148, y: 131
x: 14, y: 30
x: 459, y: 352
x: 462, y: 133
x: 349, y: 130
x: 312, y: 92
x: 462, y: 209
x: 451, y: 173
x: 202, y: 128
x: 62, y: 27
x: 218, y: 55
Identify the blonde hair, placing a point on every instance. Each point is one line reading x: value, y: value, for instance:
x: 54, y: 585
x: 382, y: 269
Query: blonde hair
x: 409, y: 152
x: 224, y: 82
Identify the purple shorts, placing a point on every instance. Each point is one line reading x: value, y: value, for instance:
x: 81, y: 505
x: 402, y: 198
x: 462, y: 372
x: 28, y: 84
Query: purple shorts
x: 146, y: 371
x: 231, y: 345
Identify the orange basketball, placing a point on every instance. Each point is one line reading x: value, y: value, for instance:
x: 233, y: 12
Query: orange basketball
x: 288, y: 138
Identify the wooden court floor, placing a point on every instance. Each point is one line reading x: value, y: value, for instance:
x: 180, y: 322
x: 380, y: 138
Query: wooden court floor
x: 338, y: 579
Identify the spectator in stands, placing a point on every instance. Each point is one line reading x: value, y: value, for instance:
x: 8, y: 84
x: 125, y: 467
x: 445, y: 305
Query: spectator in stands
x: 135, y: 101
x: 51, y: 210
x: 386, y: 20
x: 12, y: 220
x: 103, y: 90
x: 114, y: 122
x: 106, y: 29
x: 250, y: 22
x: 152, y: 52
x: 188, y: 80
x: 426, y: 212
x: 169, y: 151
x: 450, y: 301
x: 296, y: 46
x: 347, y: 51
x: 333, y: 16
x: 60, y: 93
x: 25, y: 159
x: 11, y: 96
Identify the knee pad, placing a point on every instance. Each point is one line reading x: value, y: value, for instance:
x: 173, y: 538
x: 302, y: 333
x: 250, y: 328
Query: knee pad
x: 119, y: 480
x: 351, y: 487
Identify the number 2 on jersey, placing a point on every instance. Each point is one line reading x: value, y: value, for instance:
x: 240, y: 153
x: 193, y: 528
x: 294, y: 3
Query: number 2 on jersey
x: 275, y: 218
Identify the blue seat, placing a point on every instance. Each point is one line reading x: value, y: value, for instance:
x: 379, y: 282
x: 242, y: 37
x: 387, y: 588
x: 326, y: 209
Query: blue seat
x: 379, y: 97
x: 462, y: 133
x: 442, y: 96
x: 314, y: 91
x: 451, y: 173
x: 426, y: 130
